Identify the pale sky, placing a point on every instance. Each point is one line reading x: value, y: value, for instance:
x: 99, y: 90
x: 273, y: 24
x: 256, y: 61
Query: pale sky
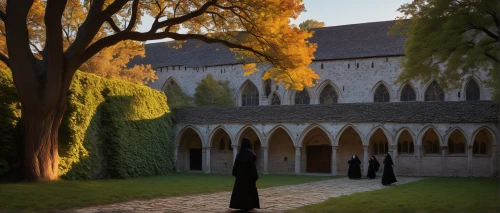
x: 337, y: 12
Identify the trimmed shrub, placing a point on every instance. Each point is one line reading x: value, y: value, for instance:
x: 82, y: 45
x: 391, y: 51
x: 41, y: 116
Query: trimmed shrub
x: 112, y: 128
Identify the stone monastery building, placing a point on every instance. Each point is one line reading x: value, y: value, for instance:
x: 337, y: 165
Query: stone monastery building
x: 356, y: 108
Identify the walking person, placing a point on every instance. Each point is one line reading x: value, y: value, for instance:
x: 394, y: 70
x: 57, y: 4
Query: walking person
x: 373, y: 167
x: 245, y: 196
x: 388, y: 176
x: 354, y: 171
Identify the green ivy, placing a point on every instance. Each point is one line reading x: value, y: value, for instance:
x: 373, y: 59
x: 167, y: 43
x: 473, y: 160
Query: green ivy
x: 111, y: 128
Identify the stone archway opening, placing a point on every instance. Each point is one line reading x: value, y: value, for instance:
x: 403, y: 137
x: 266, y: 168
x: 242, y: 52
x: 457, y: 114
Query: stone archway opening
x: 189, y: 156
x: 281, y: 150
x: 221, y: 153
x: 256, y: 146
x: 378, y: 147
x: 317, y: 152
x: 350, y: 144
x: 483, y: 162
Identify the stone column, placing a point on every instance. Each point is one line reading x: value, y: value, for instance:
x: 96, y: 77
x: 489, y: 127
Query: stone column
x: 204, y: 159
x: 235, y: 152
x: 297, y: 160
x: 394, y: 150
x: 334, y: 160
x: 266, y: 159
x: 443, y: 160
x: 365, y: 160
x: 469, y: 161
x: 207, y: 159
x: 418, y: 153
x: 493, y: 164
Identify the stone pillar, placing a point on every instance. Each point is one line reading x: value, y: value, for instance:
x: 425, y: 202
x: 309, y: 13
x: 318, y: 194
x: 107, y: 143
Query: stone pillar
x: 394, y: 150
x: 204, y: 159
x: 443, y: 160
x: 365, y: 160
x: 235, y: 152
x: 493, y: 164
x: 469, y: 161
x: 207, y: 159
x: 297, y: 160
x: 418, y: 153
x: 266, y: 159
x: 334, y: 160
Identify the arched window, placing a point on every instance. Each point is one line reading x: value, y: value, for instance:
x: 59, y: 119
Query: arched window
x: 267, y: 88
x: 170, y: 85
x: 411, y: 148
x: 275, y: 100
x: 381, y: 94
x: 405, y: 147
x: 434, y: 92
x: 479, y: 148
x: 451, y: 147
x: 302, y: 97
x: 408, y: 94
x: 472, y: 92
x: 328, y: 95
x: 250, y: 95
x: 380, y: 148
x: 375, y: 148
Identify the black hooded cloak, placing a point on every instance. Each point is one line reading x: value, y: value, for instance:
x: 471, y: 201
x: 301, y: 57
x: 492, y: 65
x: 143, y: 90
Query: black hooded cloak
x: 354, y: 169
x: 388, y: 176
x: 245, y: 194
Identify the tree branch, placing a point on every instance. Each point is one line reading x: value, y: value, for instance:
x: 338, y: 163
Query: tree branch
x: 184, y: 18
x: 133, y: 18
x: 492, y: 57
x: 113, y: 25
x: 137, y: 36
x: 486, y: 31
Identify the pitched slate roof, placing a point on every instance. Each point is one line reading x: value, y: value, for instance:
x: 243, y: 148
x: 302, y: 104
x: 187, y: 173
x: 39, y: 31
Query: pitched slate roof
x: 338, y: 42
x: 397, y: 112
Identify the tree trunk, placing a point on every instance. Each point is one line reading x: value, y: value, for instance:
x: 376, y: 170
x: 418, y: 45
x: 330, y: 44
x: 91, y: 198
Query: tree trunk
x: 39, y: 136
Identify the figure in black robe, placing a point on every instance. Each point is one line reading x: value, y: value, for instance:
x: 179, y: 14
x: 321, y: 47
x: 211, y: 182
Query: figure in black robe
x: 388, y: 176
x: 354, y: 169
x: 245, y: 196
x: 372, y: 168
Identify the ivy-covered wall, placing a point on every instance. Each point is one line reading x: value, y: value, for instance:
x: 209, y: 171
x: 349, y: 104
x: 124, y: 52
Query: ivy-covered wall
x: 112, y: 129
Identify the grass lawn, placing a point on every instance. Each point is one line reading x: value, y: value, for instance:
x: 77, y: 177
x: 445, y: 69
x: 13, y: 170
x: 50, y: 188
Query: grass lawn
x: 428, y: 195
x: 49, y: 196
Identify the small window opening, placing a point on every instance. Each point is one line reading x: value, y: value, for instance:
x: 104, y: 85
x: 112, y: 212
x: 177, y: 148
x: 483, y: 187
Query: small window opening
x: 348, y: 66
x: 386, y: 59
x: 459, y: 94
x: 342, y: 88
x: 372, y: 65
x: 357, y: 65
x: 322, y: 66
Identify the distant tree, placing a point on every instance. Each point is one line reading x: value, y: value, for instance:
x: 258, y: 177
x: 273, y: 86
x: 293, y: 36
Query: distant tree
x: 176, y: 98
x: 450, y: 38
x: 311, y: 23
x: 210, y: 92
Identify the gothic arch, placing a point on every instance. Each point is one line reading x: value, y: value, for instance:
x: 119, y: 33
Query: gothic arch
x: 167, y: 82
x: 220, y: 127
x: 270, y: 100
x: 236, y: 140
x: 401, y: 130
x: 424, y: 130
x: 427, y: 87
x: 493, y: 136
x: 479, y: 85
x: 266, y: 143
x: 387, y: 134
x: 339, y: 134
x: 400, y: 90
x: 387, y: 87
x: 447, y: 136
x: 179, y: 135
x: 242, y: 88
x: 307, y: 91
x: 322, y: 86
x: 302, y: 136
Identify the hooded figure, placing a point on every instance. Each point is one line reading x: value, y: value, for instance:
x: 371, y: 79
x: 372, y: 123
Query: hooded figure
x: 388, y: 176
x: 373, y: 167
x: 245, y: 196
x: 354, y: 169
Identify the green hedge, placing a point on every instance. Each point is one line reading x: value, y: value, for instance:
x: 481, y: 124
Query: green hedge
x: 113, y: 129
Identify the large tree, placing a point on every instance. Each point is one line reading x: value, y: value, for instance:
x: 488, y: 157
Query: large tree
x: 43, y: 66
x: 311, y: 23
x: 448, y: 39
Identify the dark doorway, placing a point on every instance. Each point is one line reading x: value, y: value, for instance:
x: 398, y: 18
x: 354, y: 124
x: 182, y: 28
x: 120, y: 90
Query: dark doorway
x: 319, y: 159
x: 195, y: 159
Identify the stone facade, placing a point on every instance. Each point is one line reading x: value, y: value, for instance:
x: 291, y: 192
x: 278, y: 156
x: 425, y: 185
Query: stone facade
x: 429, y: 139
